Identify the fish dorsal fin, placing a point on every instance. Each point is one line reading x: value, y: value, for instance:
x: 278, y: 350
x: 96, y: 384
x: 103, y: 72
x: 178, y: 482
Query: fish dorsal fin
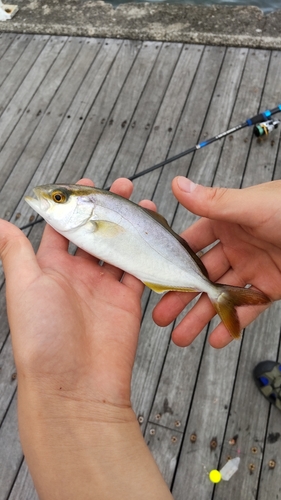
x: 159, y: 218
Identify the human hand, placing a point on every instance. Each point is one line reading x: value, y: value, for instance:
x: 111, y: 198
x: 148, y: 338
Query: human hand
x: 88, y: 320
x: 74, y: 328
x: 248, y: 251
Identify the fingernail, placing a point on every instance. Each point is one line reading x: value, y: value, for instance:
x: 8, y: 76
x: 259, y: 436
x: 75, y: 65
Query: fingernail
x: 186, y: 185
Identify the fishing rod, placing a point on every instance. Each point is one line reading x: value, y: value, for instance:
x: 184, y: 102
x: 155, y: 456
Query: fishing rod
x: 263, y: 126
x: 261, y: 120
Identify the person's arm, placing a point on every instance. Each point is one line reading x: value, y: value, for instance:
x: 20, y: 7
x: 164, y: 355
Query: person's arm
x: 244, y: 225
x: 74, y: 328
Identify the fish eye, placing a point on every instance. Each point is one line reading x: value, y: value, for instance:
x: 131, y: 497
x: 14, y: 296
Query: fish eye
x: 59, y: 197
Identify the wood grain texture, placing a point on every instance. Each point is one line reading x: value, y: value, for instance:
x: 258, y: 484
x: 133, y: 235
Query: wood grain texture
x: 73, y: 107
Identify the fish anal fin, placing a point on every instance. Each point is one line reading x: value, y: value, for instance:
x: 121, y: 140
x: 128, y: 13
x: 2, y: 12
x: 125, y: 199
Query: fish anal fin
x: 158, y: 288
x: 106, y: 228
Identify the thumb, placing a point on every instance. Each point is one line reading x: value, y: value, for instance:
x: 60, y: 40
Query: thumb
x: 18, y: 257
x: 240, y: 206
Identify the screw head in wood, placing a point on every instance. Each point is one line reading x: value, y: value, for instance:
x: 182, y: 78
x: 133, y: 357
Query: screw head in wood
x: 271, y: 464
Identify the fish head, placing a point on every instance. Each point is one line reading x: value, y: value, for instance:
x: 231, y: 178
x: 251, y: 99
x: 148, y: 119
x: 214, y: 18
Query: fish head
x: 64, y: 207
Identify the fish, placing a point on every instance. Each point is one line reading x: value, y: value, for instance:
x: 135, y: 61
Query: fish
x: 138, y: 241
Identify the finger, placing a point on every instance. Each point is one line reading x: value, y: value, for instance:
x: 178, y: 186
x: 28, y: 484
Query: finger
x: 122, y: 187
x: 170, y: 306
x: 85, y: 182
x: 82, y: 254
x: 133, y: 283
x: 18, y: 258
x: 233, y: 205
x: 148, y: 204
x: 202, y: 312
x: 193, y: 322
x: 51, y: 240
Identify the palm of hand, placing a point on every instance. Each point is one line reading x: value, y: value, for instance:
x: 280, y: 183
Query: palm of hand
x: 240, y: 256
x: 87, y: 316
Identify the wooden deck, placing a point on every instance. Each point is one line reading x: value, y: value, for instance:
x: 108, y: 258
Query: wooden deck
x: 73, y: 107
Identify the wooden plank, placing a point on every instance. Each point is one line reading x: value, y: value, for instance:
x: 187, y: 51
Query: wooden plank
x: 188, y: 130
x: 156, y: 150
x: 143, y: 119
x: 6, y: 39
x: 169, y: 441
x: 115, y: 75
x: 181, y: 366
x: 101, y: 163
x: 23, y: 488
x: 159, y: 145
x: 206, y: 421
x: 58, y: 98
x: 152, y: 348
x: 228, y: 367
x: 148, y: 367
x: 7, y: 377
x: 10, y: 87
x: 176, y: 385
x: 12, y: 54
x: 190, y: 397
x: 204, y: 389
x: 204, y: 163
x: 251, y: 426
x: 249, y: 410
x: 269, y: 482
x: 49, y: 167
x: 50, y: 164
x: 209, y: 58
x: 19, y: 111
x: 261, y: 162
x: 202, y: 166
x: 166, y: 124
x: 10, y: 451
x: 236, y: 147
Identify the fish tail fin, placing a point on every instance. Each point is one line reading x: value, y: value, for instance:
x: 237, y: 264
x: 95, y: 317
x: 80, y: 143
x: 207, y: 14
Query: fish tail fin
x: 228, y: 298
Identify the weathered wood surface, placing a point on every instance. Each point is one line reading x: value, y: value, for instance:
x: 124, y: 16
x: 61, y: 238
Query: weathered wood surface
x: 107, y: 108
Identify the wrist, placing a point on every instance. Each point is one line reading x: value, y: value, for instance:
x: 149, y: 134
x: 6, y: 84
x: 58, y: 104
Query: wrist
x: 98, y: 452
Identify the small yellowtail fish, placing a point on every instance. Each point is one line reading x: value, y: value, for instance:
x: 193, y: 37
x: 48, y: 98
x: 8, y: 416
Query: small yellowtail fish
x: 139, y: 241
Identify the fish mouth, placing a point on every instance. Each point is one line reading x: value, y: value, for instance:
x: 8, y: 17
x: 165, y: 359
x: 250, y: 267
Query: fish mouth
x: 41, y: 204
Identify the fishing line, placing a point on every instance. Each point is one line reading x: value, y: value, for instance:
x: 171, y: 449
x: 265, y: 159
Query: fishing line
x: 263, y: 126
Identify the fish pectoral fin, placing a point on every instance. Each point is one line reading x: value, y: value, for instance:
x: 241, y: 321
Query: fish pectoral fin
x: 106, y: 228
x: 158, y: 288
